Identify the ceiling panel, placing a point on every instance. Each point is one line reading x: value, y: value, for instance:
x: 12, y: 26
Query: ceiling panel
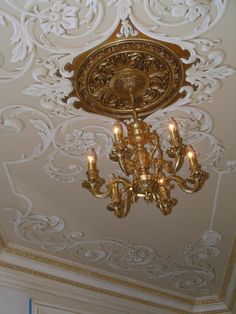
x: 44, y: 141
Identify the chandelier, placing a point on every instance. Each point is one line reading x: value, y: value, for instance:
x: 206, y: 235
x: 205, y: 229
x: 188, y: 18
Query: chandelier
x: 131, y: 79
x: 140, y: 158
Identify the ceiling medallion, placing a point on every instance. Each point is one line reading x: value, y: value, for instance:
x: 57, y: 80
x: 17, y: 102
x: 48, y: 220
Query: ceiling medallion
x: 154, y: 70
x: 133, y: 78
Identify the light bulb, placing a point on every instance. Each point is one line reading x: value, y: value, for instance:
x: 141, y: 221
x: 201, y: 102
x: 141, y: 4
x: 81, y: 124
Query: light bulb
x: 192, y: 159
x: 174, y: 133
x: 190, y: 154
x: 171, y: 127
x: 116, y: 129
x: 90, y: 158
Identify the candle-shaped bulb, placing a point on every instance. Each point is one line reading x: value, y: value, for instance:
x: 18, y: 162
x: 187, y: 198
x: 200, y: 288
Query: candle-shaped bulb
x: 192, y: 159
x: 174, y: 133
x: 190, y: 154
x: 171, y: 127
x: 118, y: 131
x: 161, y: 181
x: 92, y: 158
x: 92, y: 155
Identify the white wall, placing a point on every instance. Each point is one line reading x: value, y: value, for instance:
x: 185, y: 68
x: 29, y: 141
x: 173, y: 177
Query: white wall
x: 13, y: 301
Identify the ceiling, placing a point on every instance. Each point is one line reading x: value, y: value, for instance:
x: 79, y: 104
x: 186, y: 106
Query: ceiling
x: 44, y: 141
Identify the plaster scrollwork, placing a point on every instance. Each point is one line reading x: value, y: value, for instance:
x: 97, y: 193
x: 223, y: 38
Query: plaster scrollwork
x: 195, y: 273
x: 199, y: 273
x: 199, y: 15
x: 208, y: 72
x: 61, y: 26
x: 52, y: 87
x: 71, y: 140
x: 45, y: 231
x: 123, y: 11
x: 15, y: 119
x: 21, y: 57
x: 229, y: 167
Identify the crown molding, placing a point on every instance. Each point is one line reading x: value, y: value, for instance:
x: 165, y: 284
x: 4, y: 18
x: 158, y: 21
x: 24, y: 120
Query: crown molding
x: 3, y: 240
x: 56, y: 270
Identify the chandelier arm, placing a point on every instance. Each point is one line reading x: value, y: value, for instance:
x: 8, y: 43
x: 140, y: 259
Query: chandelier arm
x: 125, y: 182
x: 121, y: 154
x: 95, y: 188
x: 120, y: 206
x: 178, y: 152
x: 125, y: 209
x: 195, y: 183
x: 165, y: 209
x: 176, y: 165
x: 124, y: 164
x: 156, y: 147
x: 164, y: 200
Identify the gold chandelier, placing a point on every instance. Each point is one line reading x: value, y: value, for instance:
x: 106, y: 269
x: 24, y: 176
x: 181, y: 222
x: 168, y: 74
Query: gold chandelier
x: 140, y: 157
x: 133, y: 78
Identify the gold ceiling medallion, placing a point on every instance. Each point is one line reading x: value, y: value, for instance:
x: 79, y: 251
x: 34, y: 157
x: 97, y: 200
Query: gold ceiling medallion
x: 132, y: 78
x: 102, y: 78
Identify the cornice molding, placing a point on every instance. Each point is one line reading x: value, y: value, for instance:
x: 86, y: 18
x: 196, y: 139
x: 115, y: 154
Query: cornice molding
x: 3, y: 241
x: 164, y: 296
x: 62, y: 280
x: 79, y: 270
x: 228, y: 276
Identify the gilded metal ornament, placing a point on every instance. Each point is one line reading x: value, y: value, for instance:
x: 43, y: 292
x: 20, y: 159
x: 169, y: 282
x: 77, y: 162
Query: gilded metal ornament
x: 133, y: 78
x: 151, y: 70
x: 148, y: 174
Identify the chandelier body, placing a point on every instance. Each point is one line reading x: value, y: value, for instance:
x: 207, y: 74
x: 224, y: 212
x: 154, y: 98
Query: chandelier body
x: 150, y: 176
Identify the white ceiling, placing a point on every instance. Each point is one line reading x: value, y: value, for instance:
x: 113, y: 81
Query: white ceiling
x: 43, y: 141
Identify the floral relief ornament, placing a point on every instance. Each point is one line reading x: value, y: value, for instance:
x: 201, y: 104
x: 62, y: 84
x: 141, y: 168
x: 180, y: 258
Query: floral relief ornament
x: 59, y: 18
x: 190, y: 9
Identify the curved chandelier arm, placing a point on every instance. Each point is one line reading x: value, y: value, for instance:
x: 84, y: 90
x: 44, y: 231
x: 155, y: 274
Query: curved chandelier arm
x: 125, y: 164
x: 156, y: 146
x: 166, y: 205
x: 178, y: 152
x: 121, y: 154
x: 94, y: 186
x: 122, y: 210
x: 120, y: 206
x: 125, y: 182
x: 191, y: 184
x: 176, y: 164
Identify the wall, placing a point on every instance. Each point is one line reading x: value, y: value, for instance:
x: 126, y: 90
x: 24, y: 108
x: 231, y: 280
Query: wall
x: 13, y: 301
